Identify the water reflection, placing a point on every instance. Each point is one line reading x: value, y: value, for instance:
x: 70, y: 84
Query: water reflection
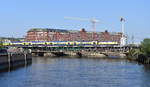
x: 147, y: 68
x: 75, y: 72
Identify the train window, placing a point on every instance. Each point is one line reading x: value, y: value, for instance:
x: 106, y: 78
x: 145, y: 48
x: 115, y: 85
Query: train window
x: 29, y: 43
x: 68, y: 43
x: 94, y: 43
x: 51, y: 43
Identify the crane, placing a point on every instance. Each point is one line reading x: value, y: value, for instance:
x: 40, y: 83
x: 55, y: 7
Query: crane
x: 92, y: 20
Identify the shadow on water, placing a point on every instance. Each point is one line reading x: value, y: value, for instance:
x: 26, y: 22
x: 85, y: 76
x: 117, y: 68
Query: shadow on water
x: 15, y: 68
x: 147, y: 68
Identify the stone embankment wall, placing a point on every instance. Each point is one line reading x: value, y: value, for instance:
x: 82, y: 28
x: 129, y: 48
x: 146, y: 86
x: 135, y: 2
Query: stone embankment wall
x: 90, y: 54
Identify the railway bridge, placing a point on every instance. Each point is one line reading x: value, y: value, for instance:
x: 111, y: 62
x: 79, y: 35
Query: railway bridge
x: 42, y: 50
x: 79, y: 51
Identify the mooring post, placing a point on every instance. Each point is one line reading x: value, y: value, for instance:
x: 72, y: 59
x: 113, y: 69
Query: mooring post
x: 9, y: 60
x: 25, y: 58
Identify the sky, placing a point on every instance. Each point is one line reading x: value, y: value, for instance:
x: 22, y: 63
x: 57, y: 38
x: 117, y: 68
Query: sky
x: 18, y: 16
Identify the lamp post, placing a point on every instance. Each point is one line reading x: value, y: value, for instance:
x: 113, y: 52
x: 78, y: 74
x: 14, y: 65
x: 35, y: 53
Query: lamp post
x: 123, y: 38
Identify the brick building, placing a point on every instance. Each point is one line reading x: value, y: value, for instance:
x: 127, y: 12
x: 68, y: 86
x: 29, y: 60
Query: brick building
x: 38, y: 34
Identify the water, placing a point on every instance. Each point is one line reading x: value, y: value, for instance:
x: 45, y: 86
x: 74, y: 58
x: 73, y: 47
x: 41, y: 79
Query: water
x: 74, y: 72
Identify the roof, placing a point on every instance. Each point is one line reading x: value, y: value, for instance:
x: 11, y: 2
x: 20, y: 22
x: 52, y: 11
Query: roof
x: 71, y: 31
x: 47, y: 30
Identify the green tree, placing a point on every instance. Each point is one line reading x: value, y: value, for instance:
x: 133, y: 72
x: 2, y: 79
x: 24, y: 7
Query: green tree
x: 145, y: 47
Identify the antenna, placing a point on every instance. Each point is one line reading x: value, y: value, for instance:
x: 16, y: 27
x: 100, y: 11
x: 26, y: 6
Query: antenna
x: 132, y: 39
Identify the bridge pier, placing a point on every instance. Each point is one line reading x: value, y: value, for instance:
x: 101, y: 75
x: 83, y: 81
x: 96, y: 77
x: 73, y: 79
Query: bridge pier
x: 41, y: 54
x: 79, y: 54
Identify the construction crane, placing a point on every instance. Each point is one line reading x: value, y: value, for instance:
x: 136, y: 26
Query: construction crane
x: 93, y: 21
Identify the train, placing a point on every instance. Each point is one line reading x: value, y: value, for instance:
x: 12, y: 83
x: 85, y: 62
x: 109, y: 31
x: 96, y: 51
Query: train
x: 60, y: 43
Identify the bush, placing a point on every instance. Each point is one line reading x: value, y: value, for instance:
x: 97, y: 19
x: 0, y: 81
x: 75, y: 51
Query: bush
x: 134, y: 52
x: 145, y: 47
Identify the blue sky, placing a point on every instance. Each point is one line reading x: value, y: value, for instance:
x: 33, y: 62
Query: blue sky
x: 18, y: 16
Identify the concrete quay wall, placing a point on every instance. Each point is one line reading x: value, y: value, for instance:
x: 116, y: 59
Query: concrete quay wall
x: 12, y: 60
x: 4, y: 61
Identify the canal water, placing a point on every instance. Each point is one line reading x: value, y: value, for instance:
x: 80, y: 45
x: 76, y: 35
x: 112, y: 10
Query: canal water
x: 75, y: 72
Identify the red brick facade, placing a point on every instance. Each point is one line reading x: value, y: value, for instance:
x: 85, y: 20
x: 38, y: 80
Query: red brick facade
x: 64, y: 35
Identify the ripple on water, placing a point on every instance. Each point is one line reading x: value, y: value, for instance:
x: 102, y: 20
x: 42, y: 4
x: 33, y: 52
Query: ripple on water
x: 74, y: 72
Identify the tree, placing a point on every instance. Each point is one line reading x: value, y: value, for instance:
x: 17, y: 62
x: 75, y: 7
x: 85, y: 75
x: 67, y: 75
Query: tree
x: 145, y: 47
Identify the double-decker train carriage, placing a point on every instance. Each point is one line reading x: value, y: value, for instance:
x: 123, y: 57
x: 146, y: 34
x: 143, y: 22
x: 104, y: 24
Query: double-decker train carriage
x: 60, y: 43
